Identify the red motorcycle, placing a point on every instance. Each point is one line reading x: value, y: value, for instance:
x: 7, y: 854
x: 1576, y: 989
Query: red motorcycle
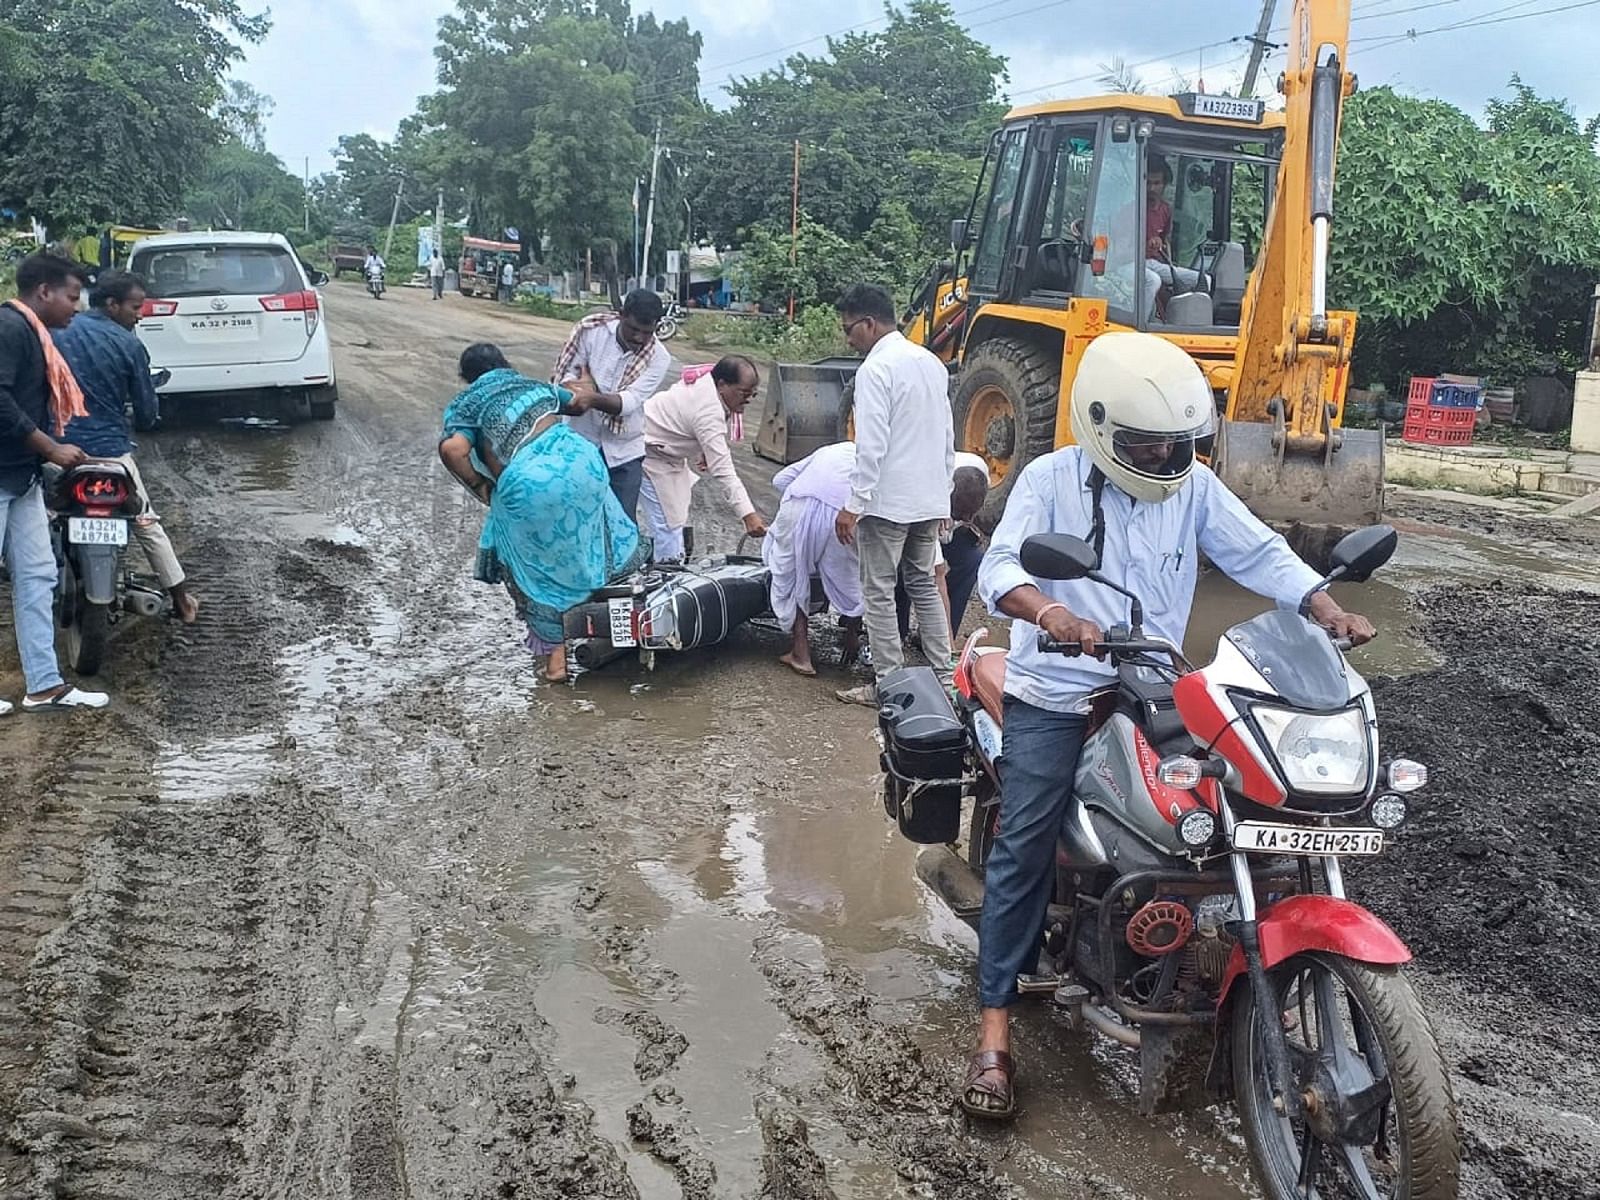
x: 1200, y: 914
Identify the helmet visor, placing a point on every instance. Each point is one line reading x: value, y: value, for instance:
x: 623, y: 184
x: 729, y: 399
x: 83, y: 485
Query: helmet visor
x: 1168, y: 454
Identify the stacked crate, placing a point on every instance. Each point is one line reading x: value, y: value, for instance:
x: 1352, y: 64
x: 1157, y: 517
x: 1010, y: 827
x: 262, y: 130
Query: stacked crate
x: 1440, y: 412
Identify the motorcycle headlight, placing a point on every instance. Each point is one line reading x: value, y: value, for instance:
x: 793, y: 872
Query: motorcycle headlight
x: 1320, y: 753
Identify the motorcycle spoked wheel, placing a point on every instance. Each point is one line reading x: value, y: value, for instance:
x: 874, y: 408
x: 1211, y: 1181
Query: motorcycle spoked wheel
x: 1367, y: 1022
x: 667, y: 329
x: 86, y: 627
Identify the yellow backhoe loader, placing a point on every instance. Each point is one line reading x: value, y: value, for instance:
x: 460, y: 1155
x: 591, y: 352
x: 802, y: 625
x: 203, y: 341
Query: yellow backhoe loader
x: 1202, y: 219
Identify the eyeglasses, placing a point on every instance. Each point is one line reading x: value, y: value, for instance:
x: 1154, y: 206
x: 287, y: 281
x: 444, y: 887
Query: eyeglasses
x: 849, y: 326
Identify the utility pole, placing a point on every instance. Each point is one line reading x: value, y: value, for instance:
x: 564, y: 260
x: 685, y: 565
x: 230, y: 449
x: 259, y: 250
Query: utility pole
x: 1258, y: 48
x: 394, y: 218
x: 438, y: 225
x: 794, y: 224
x: 650, y: 209
x: 306, y: 194
x: 688, y: 249
x: 636, y: 182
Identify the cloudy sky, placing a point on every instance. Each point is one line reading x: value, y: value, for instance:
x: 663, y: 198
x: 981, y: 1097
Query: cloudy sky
x: 352, y: 66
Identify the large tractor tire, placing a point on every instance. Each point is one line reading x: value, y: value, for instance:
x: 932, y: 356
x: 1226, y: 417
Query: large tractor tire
x: 1005, y: 411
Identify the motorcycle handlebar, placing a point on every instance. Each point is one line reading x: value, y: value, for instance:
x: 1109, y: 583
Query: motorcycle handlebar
x: 1048, y: 645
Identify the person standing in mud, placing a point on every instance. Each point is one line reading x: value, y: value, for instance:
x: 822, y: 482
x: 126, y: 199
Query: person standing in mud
x: 900, y: 489
x: 37, y: 392
x: 1132, y: 489
x: 614, y: 362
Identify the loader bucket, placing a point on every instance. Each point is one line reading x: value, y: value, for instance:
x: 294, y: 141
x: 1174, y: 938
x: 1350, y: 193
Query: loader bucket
x: 808, y: 407
x: 1320, y: 491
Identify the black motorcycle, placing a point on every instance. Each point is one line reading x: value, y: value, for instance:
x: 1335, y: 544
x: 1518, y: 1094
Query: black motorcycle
x: 92, y: 510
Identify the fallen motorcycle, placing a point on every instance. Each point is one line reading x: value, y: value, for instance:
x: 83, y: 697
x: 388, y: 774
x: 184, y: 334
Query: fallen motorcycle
x: 92, y: 510
x: 667, y: 607
x: 671, y: 321
x: 1199, y: 913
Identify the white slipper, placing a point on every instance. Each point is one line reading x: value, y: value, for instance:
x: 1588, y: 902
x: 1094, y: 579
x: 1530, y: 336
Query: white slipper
x: 71, y: 698
x: 7, y: 708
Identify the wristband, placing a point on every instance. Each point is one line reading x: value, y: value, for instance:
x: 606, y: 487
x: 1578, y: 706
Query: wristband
x: 1038, y: 616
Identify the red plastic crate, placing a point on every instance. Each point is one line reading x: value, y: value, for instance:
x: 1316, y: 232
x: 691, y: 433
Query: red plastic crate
x: 1421, y: 389
x: 1437, y: 435
x: 1419, y: 415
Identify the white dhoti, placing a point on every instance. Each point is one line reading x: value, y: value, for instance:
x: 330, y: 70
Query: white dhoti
x: 800, y: 544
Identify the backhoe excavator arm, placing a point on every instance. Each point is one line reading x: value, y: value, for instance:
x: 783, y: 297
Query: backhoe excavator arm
x: 1282, y: 447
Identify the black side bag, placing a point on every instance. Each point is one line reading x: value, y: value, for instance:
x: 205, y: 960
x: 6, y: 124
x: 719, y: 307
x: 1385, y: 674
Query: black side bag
x: 924, y: 755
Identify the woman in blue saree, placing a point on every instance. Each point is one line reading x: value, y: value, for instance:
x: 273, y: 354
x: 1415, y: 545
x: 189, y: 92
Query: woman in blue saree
x: 555, y: 531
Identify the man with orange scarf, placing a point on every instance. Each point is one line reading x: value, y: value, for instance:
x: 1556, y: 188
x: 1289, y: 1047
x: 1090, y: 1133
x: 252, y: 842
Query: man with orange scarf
x: 38, y: 396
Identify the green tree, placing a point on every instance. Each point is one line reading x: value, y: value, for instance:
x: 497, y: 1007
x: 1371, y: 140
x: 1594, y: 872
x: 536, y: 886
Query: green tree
x: 896, y: 117
x: 244, y: 188
x: 1465, y: 249
x: 111, y: 112
x: 825, y: 264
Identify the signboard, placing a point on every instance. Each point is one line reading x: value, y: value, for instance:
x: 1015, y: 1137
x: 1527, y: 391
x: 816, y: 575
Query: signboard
x: 674, y: 264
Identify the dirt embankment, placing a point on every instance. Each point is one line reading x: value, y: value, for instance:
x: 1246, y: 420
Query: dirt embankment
x: 1492, y: 881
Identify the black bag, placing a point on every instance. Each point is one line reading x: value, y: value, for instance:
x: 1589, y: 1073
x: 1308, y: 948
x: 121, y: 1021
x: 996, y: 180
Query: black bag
x: 924, y: 755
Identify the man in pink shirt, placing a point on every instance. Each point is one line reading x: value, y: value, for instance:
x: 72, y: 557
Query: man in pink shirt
x: 685, y: 433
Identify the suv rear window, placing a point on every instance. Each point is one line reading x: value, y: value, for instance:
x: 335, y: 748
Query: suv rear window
x: 171, y: 272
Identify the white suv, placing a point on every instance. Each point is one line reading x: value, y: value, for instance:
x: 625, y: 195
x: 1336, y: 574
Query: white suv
x: 231, y: 312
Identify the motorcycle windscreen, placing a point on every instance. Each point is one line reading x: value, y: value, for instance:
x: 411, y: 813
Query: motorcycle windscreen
x: 1298, y: 658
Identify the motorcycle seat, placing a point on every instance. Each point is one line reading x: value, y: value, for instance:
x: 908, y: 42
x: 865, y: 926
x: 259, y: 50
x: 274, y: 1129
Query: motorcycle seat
x: 989, y: 680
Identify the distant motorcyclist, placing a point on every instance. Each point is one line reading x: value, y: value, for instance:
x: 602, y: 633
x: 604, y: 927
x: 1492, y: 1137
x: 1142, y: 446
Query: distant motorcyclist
x: 113, y: 369
x: 374, y: 267
x: 1132, y: 489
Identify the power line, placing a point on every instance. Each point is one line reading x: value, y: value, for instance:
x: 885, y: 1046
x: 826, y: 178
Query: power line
x: 1484, y: 19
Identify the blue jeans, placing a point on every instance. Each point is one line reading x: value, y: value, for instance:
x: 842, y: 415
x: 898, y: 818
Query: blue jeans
x: 626, y: 479
x: 1037, y: 769
x: 25, y: 543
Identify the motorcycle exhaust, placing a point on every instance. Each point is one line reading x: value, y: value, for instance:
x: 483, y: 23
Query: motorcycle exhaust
x: 143, y: 602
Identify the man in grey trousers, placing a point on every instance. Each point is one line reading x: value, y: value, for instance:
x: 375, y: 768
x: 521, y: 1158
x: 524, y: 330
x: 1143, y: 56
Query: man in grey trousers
x: 900, y: 489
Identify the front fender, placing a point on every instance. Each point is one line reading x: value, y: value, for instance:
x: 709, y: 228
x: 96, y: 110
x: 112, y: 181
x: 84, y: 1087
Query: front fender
x: 96, y: 567
x: 1297, y: 925
x: 1302, y: 923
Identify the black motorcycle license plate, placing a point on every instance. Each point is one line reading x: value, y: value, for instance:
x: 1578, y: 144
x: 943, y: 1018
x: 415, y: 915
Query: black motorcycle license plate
x: 1263, y: 837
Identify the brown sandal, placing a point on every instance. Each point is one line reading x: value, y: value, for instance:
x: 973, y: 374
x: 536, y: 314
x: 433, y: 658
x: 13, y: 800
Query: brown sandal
x: 976, y: 1089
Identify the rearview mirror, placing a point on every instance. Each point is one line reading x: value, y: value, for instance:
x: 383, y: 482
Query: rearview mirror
x: 958, y: 233
x: 1362, y: 552
x: 319, y: 278
x: 1058, y: 556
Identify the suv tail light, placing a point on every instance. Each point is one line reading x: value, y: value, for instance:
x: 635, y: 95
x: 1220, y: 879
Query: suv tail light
x: 307, y: 302
x: 100, y: 491
x: 158, y: 308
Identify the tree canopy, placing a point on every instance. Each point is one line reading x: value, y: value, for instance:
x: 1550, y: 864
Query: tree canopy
x: 1465, y: 248
x: 107, y: 106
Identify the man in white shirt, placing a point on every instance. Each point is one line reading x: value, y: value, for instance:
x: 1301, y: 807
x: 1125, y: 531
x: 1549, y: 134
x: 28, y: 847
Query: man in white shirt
x: 436, y: 274
x: 1131, y: 488
x: 508, y: 281
x: 960, y: 547
x: 374, y: 266
x: 900, y: 488
x: 617, y: 361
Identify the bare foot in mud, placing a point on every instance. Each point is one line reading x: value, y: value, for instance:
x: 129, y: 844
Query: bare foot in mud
x: 799, y: 666
x: 186, y: 605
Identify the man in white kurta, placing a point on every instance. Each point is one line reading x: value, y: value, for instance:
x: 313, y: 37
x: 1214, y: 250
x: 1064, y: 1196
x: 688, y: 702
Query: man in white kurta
x: 803, y: 544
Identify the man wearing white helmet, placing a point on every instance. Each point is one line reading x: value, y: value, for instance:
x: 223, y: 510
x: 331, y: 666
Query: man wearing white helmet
x: 1131, y: 488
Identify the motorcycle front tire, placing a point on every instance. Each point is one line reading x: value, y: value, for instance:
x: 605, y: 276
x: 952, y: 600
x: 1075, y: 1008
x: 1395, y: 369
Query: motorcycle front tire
x: 1427, y: 1154
x: 667, y: 329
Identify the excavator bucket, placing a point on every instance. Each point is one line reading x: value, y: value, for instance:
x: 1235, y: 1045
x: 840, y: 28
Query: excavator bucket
x: 1336, y: 487
x: 808, y: 407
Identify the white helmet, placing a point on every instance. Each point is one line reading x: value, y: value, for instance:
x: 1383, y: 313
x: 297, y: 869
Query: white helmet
x: 1134, y: 394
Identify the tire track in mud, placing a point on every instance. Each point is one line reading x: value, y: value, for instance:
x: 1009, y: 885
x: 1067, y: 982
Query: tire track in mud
x: 44, y: 860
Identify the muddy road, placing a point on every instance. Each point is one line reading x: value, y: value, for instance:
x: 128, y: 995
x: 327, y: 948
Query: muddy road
x: 340, y: 900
